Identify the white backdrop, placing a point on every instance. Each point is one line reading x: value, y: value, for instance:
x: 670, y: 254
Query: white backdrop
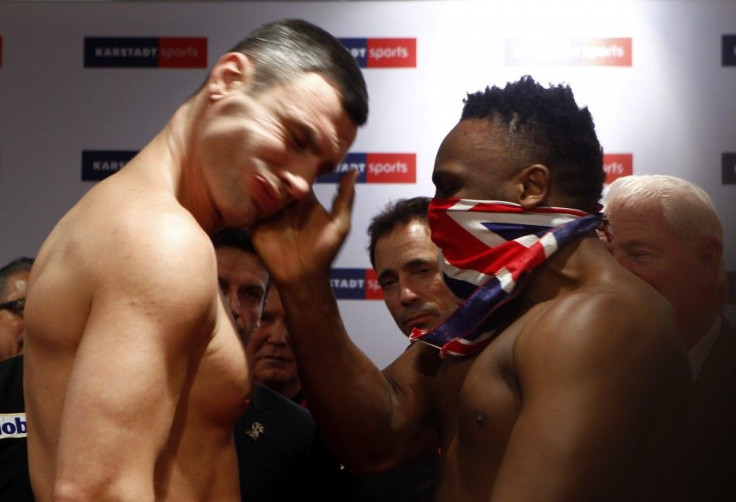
x: 671, y: 110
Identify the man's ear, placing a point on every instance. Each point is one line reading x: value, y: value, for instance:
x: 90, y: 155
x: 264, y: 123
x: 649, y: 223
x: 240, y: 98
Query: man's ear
x: 233, y: 70
x: 533, y: 185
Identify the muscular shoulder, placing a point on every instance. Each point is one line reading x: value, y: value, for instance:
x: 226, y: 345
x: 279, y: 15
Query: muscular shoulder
x: 627, y: 322
x: 151, y: 268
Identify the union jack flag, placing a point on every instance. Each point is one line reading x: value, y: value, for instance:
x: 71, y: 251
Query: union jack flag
x: 487, y: 249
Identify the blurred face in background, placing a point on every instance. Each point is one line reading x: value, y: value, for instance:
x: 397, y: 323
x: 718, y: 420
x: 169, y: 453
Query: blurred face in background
x: 644, y: 243
x: 270, y: 351
x: 11, y: 315
x: 243, y: 281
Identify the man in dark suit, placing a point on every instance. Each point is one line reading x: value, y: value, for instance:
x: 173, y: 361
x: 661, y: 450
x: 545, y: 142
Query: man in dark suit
x: 280, y: 453
x: 15, y: 482
x: 667, y: 231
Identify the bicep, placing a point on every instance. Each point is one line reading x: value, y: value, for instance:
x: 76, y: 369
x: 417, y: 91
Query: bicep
x: 143, y: 330
x: 412, y: 378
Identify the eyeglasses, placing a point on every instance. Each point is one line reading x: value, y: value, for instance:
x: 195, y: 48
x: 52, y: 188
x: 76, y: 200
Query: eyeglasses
x: 15, y: 306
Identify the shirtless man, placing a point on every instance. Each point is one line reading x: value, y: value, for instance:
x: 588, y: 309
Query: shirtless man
x: 577, y: 392
x: 134, y: 373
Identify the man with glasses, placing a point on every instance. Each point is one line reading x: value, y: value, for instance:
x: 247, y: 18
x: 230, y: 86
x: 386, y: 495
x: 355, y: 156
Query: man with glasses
x: 13, y: 282
x: 14, y: 479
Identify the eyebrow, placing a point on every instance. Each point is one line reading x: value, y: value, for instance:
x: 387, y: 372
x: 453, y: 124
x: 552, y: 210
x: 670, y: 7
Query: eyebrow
x: 310, y: 137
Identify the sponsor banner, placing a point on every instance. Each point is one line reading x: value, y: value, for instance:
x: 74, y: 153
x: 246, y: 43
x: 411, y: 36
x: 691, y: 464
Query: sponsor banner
x: 731, y: 275
x: 99, y: 164
x: 376, y: 168
x: 728, y: 50
x: 728, y: 168
x: 383, y: 52
x: 617, y: 165
x: 355, y: 284
x: 13, y: 425
x: 569, y: 52
x: 145, y: 52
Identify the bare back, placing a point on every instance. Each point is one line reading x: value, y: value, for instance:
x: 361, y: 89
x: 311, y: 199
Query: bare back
x: 579, y: 399
x: 134, y: 374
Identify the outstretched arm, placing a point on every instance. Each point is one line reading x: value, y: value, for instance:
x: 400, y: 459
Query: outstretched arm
x: 370, y: 419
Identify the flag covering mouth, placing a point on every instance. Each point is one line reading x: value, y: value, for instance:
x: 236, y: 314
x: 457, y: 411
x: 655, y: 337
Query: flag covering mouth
x: 487, y: 249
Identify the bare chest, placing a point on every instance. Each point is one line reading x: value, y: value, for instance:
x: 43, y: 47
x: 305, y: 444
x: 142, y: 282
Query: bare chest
x: 478, y: 403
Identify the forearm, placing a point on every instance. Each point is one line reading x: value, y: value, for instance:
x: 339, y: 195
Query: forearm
x: 349, y: 396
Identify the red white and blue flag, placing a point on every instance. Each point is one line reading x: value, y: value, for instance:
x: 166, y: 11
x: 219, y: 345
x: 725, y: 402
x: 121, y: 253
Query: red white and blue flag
x: 487, y: 249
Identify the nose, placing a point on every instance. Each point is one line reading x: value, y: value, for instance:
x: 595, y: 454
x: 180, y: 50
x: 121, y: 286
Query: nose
x: 278, y: 334
x: 233, y: 302
x: 407, y: 295
x: 298, y: 185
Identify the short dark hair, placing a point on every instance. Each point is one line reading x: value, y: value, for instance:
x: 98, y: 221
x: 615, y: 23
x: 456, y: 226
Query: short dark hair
x: 395, y: 213
x: 281, y: 50
x: 233, y: 237
x: 237, y: 238
x: 22, y: 264
x: 546, y: 126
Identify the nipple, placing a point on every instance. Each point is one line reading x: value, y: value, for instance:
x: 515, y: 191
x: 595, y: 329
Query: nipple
x: 480, y: 418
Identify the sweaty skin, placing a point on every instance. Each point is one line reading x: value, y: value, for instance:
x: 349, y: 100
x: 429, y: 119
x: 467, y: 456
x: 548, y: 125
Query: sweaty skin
x: 134, y: 373
x: 577, y: 399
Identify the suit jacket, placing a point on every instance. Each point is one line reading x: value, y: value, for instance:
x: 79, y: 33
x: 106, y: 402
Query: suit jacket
x: 710, y: 450
x: 15, y: 482
x: 281, y: 455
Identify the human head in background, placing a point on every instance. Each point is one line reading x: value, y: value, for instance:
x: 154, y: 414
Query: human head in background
x: 257, y: 311
x: 243, y: 279
x: 272, y: 359
x: 405, y: 260
x: 667, y: 231
x: 13, y: 283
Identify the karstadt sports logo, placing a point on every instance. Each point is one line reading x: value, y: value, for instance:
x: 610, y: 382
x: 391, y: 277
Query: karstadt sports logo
x: 383, y: 52
x: 617, y: 165
x: 99, y: 164
x: 355, y: 284
x: 145, y: 52
x: 728, y: 168
x: 728, y: 50
x: 569, y: 52
x: 376, y: 168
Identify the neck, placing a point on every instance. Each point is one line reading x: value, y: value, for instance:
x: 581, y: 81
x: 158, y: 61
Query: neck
x: 289, y: 389
x: 578, y: 262
x: 173, y: 147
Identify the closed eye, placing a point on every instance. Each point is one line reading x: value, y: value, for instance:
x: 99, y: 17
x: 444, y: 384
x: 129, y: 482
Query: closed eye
x: 446, y: 185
